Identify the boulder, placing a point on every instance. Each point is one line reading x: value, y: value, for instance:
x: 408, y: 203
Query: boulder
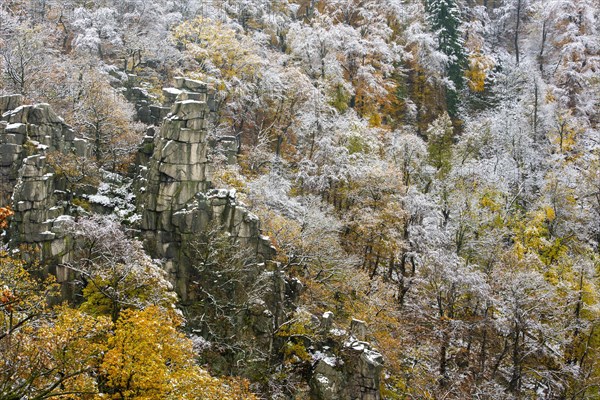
x: 10, y: 102
x: 358, y: 329
x: 353, y: 374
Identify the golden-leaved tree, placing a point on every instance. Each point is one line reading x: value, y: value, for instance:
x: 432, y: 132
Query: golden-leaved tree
x: 63, y: 352
x: 44, y: 352
x: 115, y: 270
x: 148, y: 358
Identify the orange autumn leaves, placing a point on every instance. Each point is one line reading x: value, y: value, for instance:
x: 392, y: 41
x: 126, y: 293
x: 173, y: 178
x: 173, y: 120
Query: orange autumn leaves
x: 51, y: 352
x: 148, y: 358
x: 5, y: 214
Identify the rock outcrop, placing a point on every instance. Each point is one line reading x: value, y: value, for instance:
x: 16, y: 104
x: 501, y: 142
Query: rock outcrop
x: 26, y: 130
x: 41, y: 203
x: 182, y: 217
x: 176, y: 198
x: 348, y: 369
x: 232, y: 294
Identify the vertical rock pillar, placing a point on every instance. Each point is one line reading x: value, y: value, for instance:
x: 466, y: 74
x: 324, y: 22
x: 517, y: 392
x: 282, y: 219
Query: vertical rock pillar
x: 176, y: 197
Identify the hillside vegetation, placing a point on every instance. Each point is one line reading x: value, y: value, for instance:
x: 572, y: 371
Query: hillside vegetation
x: 429, y: 167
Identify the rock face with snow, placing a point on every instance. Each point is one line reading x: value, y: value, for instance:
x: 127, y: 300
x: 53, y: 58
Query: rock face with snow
x: 26, y: 130
x: 180, y: 212
x: 348, y: 370
x: 176, y: 201
x: 27, y: 134
x: 362, y: 372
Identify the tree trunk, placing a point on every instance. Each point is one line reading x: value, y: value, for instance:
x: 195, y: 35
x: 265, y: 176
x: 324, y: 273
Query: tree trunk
x: 519, y: 4
x: 443, y: 381
x: 514, y: 386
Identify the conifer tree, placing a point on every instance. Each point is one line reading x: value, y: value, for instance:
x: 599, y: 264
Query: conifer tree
x: 445, y: 20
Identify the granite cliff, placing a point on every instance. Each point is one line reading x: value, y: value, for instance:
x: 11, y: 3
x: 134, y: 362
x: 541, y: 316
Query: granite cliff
x: 238, y: 297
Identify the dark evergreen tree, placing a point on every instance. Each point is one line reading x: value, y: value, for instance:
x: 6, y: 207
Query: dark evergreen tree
x: 444, y: 17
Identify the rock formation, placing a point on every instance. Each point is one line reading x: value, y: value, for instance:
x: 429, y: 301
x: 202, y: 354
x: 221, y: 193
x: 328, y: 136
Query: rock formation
x: 26, y: 130
x: 348, y: 369
x: 176, y: 201
x: 246, y: 297
x: 181, y: 212
x: 27, y: 134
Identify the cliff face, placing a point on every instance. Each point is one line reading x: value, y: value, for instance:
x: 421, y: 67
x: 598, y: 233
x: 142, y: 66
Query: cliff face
x: 176, y: 201
x: 211, y: 246
x: 28, y: 133
x: 26, y: 130
x: 183, y: 219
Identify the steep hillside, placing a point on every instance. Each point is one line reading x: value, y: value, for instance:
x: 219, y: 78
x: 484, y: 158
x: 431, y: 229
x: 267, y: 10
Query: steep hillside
x: 322, y: 199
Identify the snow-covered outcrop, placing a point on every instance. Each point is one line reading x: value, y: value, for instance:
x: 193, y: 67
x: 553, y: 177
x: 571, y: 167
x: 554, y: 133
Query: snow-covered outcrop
x: 39, y: 199
x: 176, y: 198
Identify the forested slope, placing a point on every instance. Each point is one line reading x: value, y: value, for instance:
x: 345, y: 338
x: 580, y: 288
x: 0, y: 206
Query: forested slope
x: 431, y: 168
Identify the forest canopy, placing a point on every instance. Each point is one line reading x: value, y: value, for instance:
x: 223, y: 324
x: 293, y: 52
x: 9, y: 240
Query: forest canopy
x: 429, y: 167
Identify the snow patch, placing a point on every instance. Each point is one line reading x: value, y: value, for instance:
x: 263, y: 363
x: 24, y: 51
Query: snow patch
x: 328, y: 359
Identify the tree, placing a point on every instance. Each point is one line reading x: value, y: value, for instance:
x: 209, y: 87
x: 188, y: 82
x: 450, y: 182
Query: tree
x: 105, y: 119
x: 23, y: 295
x: 530, y: 339
x: 571, y: 30
x: 78, y: 171
x: 351, y: 59
x: 229, y: 290
x: 376, y: 233
x: 408, y: 152
x: 24, y: 59
x: 114, y: 270
x: 304, y: 230
x: 439, y: 145
x: 444, y: 16
x: 117, y: 31
x: 148, y: 358
x: 45, y: 353
x: 5, y: 214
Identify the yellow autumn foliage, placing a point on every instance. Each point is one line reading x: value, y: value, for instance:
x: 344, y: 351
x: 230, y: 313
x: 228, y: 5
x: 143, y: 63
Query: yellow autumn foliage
x: 479, y: 67
x: 148, y: 358
x: 218, y: 49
